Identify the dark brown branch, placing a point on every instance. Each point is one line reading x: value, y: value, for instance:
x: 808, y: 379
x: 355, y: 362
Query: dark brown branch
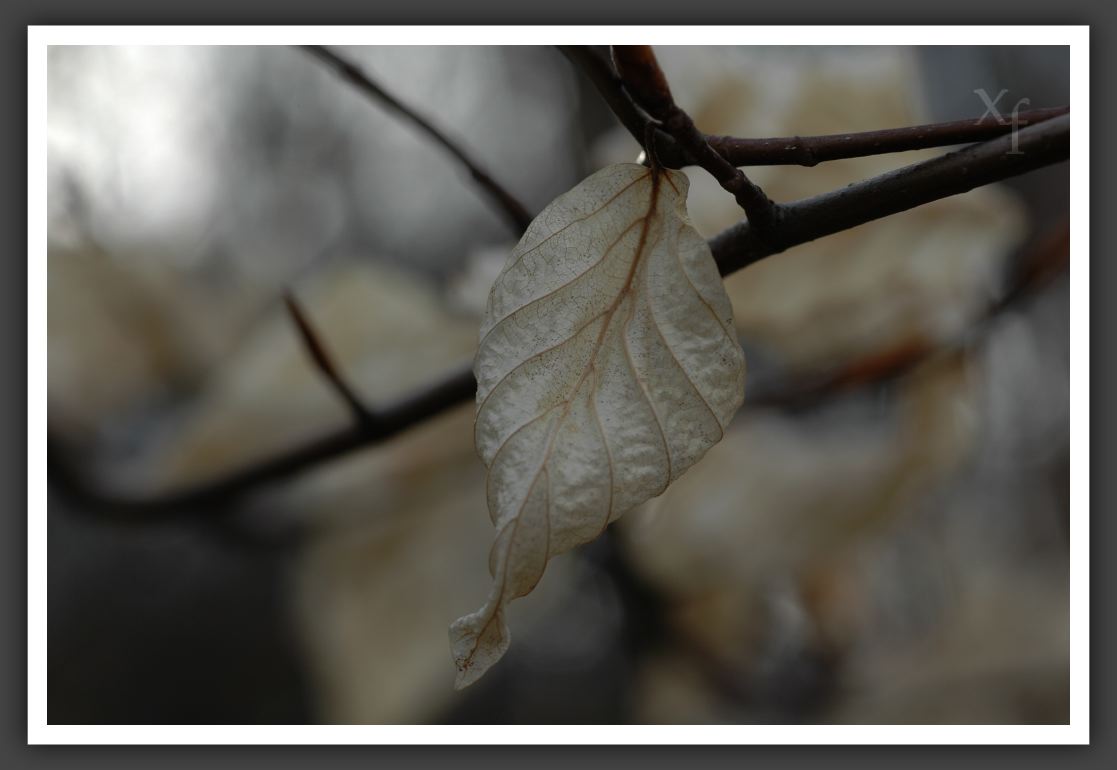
x: 734, y: 249
x: 323, y: 360
x: 641, y: 75
x: 951, y: 174
x: 512, y: 209
x: 812, y: 150
x: 792, y: 150
x: 595, y: 65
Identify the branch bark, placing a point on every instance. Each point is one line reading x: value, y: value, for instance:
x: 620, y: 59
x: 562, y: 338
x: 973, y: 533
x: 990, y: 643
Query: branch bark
x: 951, y: 174
x: 812, y: 150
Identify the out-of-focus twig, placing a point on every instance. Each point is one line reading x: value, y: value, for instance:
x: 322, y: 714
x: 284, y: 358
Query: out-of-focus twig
x: 214, y: 496
x: 793, y: 150
x: 641, y: 75
x: 323, y: 360
x: 512, y: 209
x: 1036, y: 264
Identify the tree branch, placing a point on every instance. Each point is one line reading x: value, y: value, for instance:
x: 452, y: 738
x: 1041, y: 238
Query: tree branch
x: 594, y: 64
x: 512, y: 209
x: 951, y: 174
x: 812, y: 150
x: 792, y: 150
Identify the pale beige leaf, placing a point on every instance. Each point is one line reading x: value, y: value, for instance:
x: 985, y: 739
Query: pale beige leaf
x: 608, y: 365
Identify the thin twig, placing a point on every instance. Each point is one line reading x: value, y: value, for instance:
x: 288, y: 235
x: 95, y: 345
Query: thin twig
x: 641, y: 75
x: 792, y: 150
x: 812, y: 150
x: 513, y: 210
x: 323, y: 360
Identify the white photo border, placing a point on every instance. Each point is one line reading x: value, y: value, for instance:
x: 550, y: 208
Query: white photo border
x: 40, y: 732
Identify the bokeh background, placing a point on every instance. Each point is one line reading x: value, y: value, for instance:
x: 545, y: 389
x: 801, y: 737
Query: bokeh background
x: 881, y: 536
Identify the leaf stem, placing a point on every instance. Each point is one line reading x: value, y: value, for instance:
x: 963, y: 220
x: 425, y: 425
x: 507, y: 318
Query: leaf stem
x: 640, y: 73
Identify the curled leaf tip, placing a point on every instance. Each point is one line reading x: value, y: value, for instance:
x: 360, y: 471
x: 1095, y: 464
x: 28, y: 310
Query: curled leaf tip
x: 477, y: 641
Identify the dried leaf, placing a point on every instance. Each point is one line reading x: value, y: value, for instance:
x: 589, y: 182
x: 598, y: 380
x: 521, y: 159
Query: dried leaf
x: 608, y: 365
